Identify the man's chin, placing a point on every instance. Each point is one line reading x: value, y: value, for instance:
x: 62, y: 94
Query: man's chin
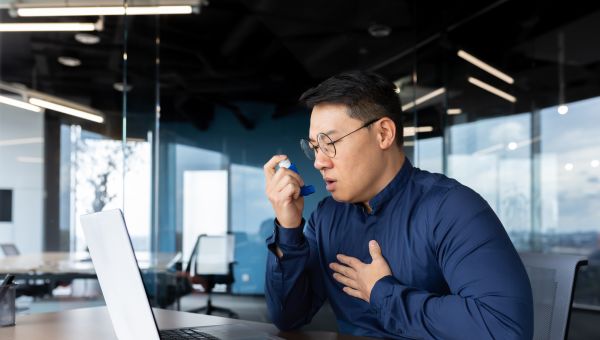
x: 341, y: 198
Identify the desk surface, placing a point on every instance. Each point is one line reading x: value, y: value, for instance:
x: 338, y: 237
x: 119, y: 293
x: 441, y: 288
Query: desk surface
x: 65, y: 262
x: 95, y: 324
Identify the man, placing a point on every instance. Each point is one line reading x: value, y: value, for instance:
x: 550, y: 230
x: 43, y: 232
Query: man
x: 398, y: 251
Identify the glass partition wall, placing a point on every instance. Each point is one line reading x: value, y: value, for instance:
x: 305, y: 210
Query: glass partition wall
x: 192, y: 107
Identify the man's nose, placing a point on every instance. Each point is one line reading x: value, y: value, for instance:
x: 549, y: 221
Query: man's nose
x: 322, y: 161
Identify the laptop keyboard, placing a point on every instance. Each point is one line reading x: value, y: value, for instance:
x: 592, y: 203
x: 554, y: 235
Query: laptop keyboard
x: 185, y: 333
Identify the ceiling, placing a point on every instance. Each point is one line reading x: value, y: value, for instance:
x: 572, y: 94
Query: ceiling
x: 271, y: 51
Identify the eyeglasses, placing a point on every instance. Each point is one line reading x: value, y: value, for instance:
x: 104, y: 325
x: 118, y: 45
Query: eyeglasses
x: 325, y: 144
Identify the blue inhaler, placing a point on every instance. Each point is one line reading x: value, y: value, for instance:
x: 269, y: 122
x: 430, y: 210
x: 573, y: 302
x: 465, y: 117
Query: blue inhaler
x: 306, y: 189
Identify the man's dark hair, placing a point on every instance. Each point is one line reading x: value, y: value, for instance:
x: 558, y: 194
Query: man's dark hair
x: 367, y: 95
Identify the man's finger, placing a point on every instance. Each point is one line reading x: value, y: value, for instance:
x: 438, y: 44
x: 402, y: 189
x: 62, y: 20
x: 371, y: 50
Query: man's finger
x: 270, y: 167
x: 375, y: 250
x: 344, y: 270
x: 349, y: 260
x: 345, y: 280
x: 352, y: 292
x: 284, y: 176
x: 290, y: 191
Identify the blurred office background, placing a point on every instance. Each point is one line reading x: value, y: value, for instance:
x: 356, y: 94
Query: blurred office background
x: 170, y: 117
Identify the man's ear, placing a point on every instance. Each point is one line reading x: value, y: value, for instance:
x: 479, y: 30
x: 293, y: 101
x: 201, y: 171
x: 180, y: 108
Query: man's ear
x: 386, y: 132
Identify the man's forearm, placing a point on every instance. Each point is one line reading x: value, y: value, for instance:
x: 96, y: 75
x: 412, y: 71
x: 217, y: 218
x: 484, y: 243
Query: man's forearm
x: 291, y: 293
x: 416, y: 313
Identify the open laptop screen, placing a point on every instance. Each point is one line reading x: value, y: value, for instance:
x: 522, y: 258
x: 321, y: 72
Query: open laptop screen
x: 119, y: 276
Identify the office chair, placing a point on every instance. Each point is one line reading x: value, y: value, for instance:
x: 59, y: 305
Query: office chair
x: 9, y: 249
x: 552, y: 278
x: 211, y: 262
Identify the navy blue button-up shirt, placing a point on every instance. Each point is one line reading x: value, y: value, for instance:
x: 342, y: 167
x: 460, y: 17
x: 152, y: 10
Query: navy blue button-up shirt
x: 455, y: 272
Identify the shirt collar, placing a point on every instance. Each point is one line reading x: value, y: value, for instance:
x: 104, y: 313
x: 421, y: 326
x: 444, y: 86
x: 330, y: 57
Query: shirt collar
x: 393, y: 188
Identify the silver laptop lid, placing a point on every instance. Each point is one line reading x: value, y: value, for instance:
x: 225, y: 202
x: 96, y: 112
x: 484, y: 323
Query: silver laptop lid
x: 119, y: 275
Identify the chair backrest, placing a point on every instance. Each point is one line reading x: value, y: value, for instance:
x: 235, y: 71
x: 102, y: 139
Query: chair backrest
x: 552, y: 278
x: 9, y: 249
x: 212, y: 255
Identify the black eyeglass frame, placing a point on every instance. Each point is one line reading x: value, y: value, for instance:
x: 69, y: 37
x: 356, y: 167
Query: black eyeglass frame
x: 311, y: 152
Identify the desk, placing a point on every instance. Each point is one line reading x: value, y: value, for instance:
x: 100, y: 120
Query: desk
x: 65, y: 265
x: 95, y: 324
x: 55, y: 267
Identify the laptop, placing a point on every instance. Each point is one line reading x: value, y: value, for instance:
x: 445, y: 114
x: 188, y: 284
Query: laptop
x: 123, y: 289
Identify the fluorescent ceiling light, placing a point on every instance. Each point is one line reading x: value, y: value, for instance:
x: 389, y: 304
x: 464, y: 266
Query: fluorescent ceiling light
x: 456, y: 111
x: 65, y: 109
x: 87, y: 39
x: 25, y: 159
x: 20, y: 104
x: 120, y: 87
x: 411, y: 130
x: 103, y: 10
x: 21, y: 141
x: 48, y: 27
x: 69, y: 61
x: 563, y: 109
x: 149, y: 10
x: 492, y: 89
x: 423, y: 99
x: 489, y: 69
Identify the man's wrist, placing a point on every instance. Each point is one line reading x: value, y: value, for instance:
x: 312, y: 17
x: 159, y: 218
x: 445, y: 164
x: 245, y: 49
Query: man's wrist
x: 381, y: 289
x: 289, y: 236
x: 287, y: 225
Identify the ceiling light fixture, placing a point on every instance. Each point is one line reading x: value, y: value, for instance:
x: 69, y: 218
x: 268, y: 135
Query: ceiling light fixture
x: 101, y: 10
x: 456, y: 111
x: 69, y: 61
x: 66, y: 109
x: 412, y: 130
x: 120, y: 87
x: 492, y: 89
x: 379, y: 30
x: 21, y: 141
x: 482, y: 65
x: 48, y: 27
x: 563, y: 109
x: 20, y: 104
x: 423, y: 99
x: 39, y: 100
x: 34, y: 160
x: 87, y: 39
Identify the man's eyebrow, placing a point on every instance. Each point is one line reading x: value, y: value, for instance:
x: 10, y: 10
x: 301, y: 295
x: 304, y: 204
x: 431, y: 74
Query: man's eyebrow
x: 310, y: 139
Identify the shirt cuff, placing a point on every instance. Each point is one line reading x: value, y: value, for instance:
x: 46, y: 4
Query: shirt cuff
x: 289, y: 236
x: 382, y: 289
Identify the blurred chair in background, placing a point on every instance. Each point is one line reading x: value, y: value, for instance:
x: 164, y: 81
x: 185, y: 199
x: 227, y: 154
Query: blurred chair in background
x: 9, y: 249
x: 211, y: 263
x: 552, y: 278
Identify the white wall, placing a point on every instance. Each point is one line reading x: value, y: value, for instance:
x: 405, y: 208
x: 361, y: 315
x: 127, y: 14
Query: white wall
x: 21, y: 169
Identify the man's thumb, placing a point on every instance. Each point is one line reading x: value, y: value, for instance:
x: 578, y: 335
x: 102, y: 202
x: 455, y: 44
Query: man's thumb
x: 374, y: 249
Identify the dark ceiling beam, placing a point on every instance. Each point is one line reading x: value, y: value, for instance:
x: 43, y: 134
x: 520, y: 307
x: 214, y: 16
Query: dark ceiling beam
x: 399, y: 55
x: 238, y: 36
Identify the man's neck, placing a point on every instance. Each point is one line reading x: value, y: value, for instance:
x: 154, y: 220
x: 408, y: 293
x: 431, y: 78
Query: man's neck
x: 389, y: 172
